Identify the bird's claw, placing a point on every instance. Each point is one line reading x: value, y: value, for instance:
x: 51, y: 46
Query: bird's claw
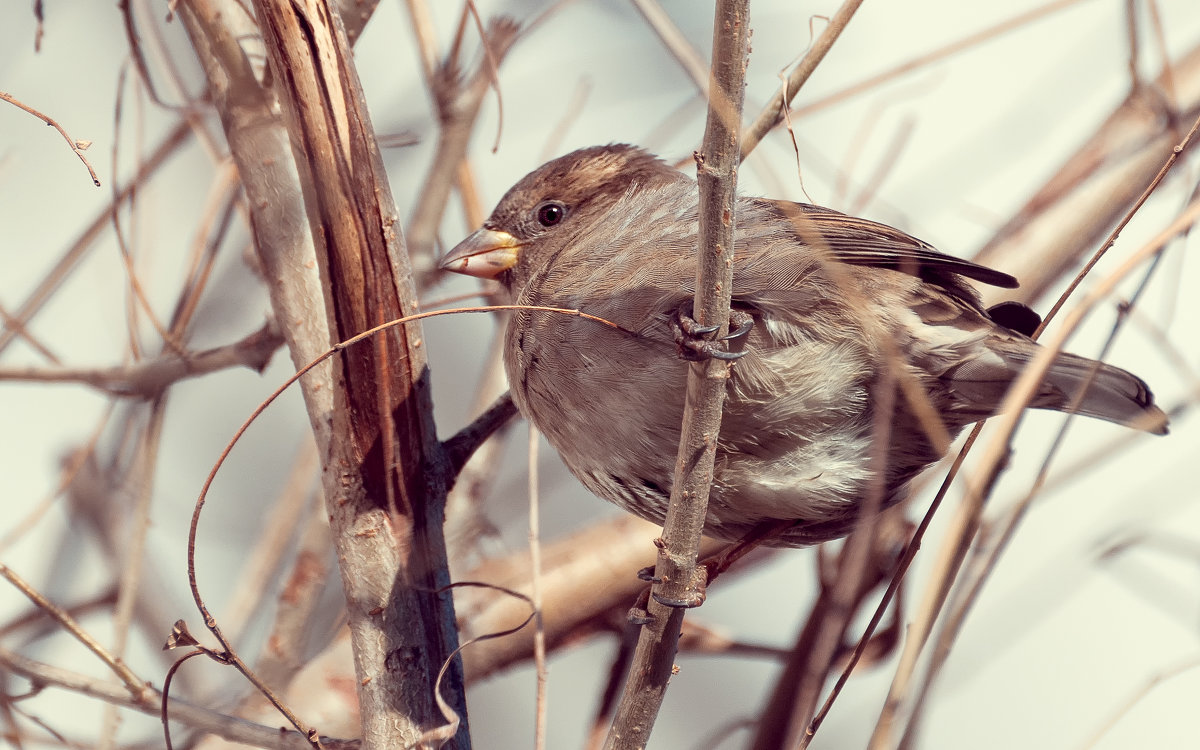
x: 712, y: 352
x: 647, y: 574
x: 689, y: 603
x: 695, y: 597
x: 690, y: 335
x: 744, y: 322
x: 695, y: 329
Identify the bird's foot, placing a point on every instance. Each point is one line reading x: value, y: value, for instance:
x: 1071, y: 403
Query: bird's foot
x: 692, y: 338
x: 709, y: 568
x: 692, y: 595
x: 696, y: 593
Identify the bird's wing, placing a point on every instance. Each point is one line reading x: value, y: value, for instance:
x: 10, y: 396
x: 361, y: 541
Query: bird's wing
x: 862, y: 242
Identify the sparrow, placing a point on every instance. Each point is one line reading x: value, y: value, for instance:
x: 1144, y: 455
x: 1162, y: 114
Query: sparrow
x: 858, y: 352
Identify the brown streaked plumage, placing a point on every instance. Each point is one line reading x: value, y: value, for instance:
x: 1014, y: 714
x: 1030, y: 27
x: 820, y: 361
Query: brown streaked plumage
x: 838, y: 304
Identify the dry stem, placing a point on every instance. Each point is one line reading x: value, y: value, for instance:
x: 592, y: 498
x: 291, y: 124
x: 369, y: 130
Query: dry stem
x: 680, y: 579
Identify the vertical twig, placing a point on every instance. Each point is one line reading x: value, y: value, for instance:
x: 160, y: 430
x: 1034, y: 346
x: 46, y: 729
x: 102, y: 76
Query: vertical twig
x: 535, y: 593
x: 681, y: 581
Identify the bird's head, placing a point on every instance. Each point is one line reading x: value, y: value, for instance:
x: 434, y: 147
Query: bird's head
x: 535, y: 217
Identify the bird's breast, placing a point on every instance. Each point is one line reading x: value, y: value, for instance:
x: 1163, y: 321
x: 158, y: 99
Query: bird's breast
x: 602, y: 397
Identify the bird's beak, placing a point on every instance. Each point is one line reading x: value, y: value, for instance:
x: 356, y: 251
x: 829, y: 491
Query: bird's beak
x: 485, y: 254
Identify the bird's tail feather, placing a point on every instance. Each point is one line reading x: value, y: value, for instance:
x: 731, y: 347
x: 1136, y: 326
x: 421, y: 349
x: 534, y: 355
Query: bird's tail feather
x: 1112, y: 394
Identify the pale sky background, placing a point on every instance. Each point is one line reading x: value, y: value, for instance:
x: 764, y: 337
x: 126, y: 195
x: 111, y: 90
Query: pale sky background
x: 1059, y: 641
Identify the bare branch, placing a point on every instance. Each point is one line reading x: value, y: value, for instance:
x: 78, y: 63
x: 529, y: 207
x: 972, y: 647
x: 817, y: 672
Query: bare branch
x: 458, y: 100
x: 820, y: 642
x: 680, y: 579
x: 133, y: 684
x: 675, y: 42
x: 1074, y: 209
x: 459, y: 448
x: 76, y: 146
x: 772, y: 115
x: 610, y: 552
x: 168, y: 147
x: 150, y: 377
x: 206, y: 720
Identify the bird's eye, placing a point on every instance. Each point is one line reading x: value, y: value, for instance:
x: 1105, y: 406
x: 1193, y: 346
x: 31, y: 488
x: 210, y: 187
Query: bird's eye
x: 549, y: 214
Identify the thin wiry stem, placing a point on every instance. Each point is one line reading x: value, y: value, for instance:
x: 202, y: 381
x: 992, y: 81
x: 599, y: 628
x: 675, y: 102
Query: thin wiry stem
x: 1022, y: 391
x: 772, y: 115
x: 965, y: 524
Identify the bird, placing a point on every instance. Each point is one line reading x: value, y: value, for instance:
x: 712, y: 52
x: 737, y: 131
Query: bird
x: 828, y: 312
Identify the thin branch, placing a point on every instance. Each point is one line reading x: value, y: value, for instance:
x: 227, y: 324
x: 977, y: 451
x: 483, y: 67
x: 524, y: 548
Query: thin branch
x: 597, y: 560
x: 281, y: 518
x: 135, y: 686
x: 994, y: 537
x: 618, y: 668
x: 893, y: 588
x: 681, y: 580
x: 1071, y: 212
x: 16, y: 327
x: 459, y: 448
x: 1111, y: 240
x: 772, y: 115
x: 535, y: 594
x: 300, y: 606
x: 820, y: 641
x: 1044, y: 275
x: 170, y: 145
x: 966, y: 523
x: 1023, y: 389
x: 1135, y: 697
x: 203, y: 719
x: 76, y: 146
x: 35, y: 620
x: 467, y: 525
x: 458, y: 100
x: 138, y: 54
x: 150, y: 377
x: 130, y: 587
x: 73, y: 464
